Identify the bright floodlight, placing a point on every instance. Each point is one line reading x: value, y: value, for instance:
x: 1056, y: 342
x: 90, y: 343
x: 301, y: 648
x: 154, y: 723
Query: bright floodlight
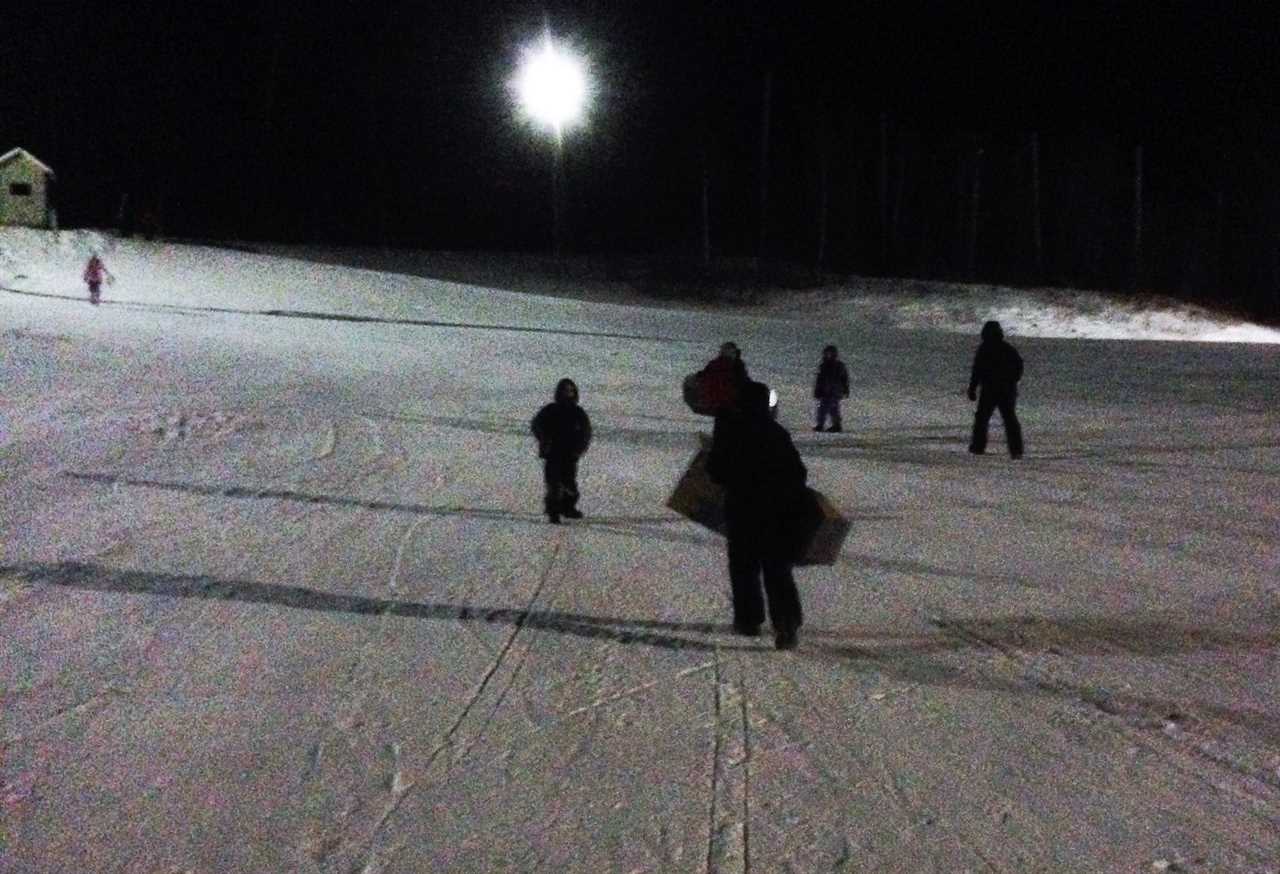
x: 552, y: 86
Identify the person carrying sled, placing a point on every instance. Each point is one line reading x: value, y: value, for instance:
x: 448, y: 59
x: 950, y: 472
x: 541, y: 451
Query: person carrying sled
x: 753, y: 457
x: 94, y: 272
x: 563, y: 431
x: 829, y: 387
x: 997, y: 367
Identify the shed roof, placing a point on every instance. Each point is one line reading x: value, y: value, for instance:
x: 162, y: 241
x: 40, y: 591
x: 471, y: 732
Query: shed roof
x: 15, y: 154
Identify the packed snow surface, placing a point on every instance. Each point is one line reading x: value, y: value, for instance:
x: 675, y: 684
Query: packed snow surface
x: 276, y: 594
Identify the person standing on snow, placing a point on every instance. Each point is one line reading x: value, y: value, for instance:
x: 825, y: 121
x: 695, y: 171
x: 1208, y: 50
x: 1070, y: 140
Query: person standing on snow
x: 563, y: 431
x: 753, y: 457
x: 997, y: 367
x: 94, y: 272
x: 829, y: 386
x: 715, y: 388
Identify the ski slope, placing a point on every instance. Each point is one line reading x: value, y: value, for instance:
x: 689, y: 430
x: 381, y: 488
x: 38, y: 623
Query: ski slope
x: 277, y: 595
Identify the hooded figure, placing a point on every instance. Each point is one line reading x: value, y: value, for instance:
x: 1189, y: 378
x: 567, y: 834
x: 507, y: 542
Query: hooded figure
x: 753, y: 457
x: 720, y: 382
x: 564, y: 433
x: 997, y: 367
x: 829, y: 386
x: 94, y: 272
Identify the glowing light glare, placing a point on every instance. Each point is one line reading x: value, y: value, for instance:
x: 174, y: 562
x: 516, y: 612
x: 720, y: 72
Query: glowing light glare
x: 552, y: 86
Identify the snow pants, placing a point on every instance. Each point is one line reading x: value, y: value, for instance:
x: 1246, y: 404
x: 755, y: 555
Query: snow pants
x: 1006, y: 403
x: 95, y: 289
x: 752, y: 557
x: 829, y: 407
x: 561, y: 476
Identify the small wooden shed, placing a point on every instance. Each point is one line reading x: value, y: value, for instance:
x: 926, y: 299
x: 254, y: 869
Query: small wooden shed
x: 25, y: 190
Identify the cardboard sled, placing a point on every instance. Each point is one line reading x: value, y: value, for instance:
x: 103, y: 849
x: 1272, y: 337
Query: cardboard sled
x: 821, y: 530
x: 829, y: 531
x: 696, y: 497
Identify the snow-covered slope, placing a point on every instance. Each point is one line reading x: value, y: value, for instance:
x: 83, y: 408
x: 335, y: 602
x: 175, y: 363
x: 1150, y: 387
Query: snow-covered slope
x: 276, y: 594
x: 204, y: 276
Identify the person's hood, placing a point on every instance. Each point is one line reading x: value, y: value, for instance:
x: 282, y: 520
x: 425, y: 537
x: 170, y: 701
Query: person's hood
x: 566, y: 392
x: 992, y: 332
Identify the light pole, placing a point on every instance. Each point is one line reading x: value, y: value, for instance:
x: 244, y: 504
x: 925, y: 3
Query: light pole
x: 551, y: 87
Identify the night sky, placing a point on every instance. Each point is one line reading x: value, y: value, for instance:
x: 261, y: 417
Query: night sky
x: 393, y: 122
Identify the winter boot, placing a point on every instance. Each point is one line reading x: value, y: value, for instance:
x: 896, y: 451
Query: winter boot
x: 786, y: 638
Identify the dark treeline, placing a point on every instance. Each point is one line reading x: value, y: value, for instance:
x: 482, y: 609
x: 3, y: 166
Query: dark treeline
x: 1113, y: 146
x: 1193, y: 216
x: 1108, y: 145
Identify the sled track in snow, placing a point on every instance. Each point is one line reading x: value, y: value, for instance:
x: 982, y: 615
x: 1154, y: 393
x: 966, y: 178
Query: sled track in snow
x: 1125, y: 708
x: 448, y: 741
x: 1259, y: 793
x: 729, y: 817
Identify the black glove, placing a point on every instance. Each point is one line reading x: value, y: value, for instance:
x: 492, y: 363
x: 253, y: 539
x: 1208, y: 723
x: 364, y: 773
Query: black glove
x: 973, y: 394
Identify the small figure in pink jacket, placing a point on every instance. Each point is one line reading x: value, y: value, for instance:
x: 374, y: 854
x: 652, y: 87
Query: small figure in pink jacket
x: 94, y: 272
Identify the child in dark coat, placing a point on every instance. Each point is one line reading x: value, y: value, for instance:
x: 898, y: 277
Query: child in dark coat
x: 564, y: 433
x: 997, y: 367
x: 829, y: 386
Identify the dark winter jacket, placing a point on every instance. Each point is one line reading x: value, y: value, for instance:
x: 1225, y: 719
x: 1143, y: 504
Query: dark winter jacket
x: 832, y: 380
x: 997, y: 366
x: 562, y: 427
x: 753, y: 457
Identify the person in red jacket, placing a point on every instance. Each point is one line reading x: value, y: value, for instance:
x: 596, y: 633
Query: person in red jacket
x: 94, y: 272
x: 713, y: 390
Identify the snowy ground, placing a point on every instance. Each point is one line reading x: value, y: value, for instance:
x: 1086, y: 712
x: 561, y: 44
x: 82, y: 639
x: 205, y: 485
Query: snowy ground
x: 276, y: 595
